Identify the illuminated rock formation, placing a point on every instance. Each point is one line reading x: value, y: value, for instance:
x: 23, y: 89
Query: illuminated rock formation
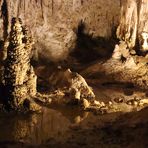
x: 127, y: 29
x: 72, y: 85
x: 120, y: 51
x: 143, y: 40
x: 133, y: 24
x: 79, y: 89
x: 19, y: 76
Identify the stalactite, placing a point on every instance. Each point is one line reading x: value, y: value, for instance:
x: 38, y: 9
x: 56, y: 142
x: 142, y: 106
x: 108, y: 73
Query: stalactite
x: 127, y: 30
x: 133, y: 28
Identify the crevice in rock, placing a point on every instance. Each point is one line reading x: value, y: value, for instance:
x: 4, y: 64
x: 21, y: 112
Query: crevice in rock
x: 5, y: 16
x: 92, y: 48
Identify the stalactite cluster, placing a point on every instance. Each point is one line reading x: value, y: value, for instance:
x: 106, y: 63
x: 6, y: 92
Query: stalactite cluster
x: 133, y: 24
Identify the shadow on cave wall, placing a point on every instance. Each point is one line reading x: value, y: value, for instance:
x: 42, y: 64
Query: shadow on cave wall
x: 89, y: 48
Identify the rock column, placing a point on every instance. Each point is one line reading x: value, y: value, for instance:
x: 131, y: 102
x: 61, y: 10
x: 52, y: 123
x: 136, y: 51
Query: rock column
x: 19, y: 76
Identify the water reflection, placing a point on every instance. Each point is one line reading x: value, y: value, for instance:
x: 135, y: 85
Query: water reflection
x: 38, y: 128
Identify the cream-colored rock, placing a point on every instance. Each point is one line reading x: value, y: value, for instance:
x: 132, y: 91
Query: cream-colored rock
x: 72, y: 83
x: 78, y: 83
x: 143, y: 101
x: 117, y: 53
x: 85, y: 103
x: 110, y: 103
x: 77, y: 119
x: 102, y: 104
x: 120, y: 51
x: 135, y: 103
x: 143, y: 41
x: 130, y: 63
x: 96, y: 102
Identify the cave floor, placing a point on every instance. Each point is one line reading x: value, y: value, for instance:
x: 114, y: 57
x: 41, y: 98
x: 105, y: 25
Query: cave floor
x: 66, y: 126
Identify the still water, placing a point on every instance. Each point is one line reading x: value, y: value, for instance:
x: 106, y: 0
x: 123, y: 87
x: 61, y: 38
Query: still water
x: 39, y: 128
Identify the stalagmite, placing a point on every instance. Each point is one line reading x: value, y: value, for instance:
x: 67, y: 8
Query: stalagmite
x: 19, y: 76
x: 143, y: 42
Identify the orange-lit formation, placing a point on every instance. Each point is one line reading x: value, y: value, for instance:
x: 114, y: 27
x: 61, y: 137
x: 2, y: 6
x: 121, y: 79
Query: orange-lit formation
x: 19, y: 76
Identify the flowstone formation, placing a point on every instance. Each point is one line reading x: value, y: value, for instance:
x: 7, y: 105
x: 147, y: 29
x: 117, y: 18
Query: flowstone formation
x: 132, y: 29
x: 19, y: 77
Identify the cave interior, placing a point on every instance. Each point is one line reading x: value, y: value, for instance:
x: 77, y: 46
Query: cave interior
x: 74, y: 73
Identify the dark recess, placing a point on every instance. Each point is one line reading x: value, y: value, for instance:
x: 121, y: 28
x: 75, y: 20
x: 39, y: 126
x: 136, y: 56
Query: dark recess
x: 5, y: 19
x: 89, y: 48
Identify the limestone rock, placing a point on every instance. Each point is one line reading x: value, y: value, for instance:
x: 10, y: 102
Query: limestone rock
x: 53, y: 22
x: 19, y: 77
x: 127, y: 29
x: 80, y: 86
x: 85, y: 103
x: 72, y: 84
x: 143, y: 39
x: 117, y: 53
x: 133, y: 24
x: 130, y: 63
x: 120, y: 51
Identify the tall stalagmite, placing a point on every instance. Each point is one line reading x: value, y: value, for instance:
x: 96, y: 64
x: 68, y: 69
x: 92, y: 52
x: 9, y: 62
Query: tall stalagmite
x: 19, y: 76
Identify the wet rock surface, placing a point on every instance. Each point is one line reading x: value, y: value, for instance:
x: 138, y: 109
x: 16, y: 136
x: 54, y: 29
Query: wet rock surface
x: 68, y: 87
x: 132, y: 70
x: 68, y: 126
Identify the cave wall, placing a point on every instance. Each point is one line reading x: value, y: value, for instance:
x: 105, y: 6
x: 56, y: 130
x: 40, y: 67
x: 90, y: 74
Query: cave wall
x: 53, y: 23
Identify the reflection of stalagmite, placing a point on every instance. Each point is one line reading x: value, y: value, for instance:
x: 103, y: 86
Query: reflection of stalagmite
x: 19, y: 76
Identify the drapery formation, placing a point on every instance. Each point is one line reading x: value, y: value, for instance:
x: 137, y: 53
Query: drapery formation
x: 134, y: 23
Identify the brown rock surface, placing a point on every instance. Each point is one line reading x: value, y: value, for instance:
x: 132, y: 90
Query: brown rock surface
x: 73, y: 84
x: 133, y: 70
x: 19, y: 77
x: 52, y: 22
